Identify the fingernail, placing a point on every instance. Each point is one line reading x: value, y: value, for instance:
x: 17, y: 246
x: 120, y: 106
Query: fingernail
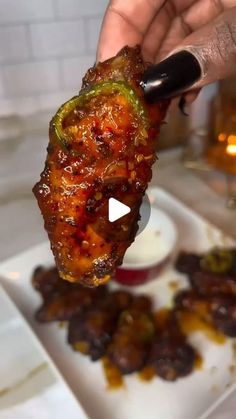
x: 182, y: 106
x: 171, y: 77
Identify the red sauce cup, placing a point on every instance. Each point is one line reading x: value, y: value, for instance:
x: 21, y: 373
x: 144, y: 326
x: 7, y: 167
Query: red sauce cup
x: 150, y: 252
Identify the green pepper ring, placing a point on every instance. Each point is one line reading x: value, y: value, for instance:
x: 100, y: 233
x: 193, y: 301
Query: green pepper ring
x: 125, y: 318
x: 217, y: 261
x: 100, y: 88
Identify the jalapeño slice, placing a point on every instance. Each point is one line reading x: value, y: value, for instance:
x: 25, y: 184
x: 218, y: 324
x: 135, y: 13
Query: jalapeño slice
x: 104, y: 88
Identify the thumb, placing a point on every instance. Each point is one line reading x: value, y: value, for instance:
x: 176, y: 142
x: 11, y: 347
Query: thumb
x: 207, y: 55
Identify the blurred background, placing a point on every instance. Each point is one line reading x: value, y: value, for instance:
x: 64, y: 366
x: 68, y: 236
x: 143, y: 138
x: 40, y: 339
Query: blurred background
x: 45, y: 48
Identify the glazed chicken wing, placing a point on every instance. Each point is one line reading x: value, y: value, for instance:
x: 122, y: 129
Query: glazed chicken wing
x: 102, y: 145
x: 218, y: 311
x: 212, y: 273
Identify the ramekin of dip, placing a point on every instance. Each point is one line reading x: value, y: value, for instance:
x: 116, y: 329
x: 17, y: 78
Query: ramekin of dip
x: 150, y: 252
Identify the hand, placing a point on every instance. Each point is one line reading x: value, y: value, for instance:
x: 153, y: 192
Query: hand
x: 205, y: 28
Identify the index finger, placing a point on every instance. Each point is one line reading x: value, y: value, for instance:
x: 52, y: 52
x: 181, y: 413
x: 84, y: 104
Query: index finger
x: 125, y: 23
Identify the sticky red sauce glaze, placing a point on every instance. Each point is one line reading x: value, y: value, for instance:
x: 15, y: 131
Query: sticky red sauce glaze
x: 110, y: 154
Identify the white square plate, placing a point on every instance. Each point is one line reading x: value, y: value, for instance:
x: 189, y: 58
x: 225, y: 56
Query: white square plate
x: 189, y: 398
x: 30, y: 384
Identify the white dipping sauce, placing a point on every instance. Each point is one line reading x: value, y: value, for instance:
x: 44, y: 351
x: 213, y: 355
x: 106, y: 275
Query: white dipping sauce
x: 149, y: 247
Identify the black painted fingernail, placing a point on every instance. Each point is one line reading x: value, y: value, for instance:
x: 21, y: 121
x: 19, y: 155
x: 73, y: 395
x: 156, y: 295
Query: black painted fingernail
x: 182, y: 106
x: 171, y: 77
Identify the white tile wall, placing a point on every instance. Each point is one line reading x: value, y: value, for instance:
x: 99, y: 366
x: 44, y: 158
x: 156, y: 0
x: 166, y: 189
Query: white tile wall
x: 1, y: 87
x: 77, y: 8
x: 57, y: 39
x: 29, y: 78
x: 46, y: 47
x: 52, y: 101
x: 22, y: 106
x: 13, y: 43
x: 25, y: 10
x: 94, y: 26
x: 73, y: 69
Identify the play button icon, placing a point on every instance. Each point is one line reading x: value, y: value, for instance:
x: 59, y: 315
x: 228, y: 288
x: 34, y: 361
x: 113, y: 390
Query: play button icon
x: 113, y: 210
x: 116, y: 210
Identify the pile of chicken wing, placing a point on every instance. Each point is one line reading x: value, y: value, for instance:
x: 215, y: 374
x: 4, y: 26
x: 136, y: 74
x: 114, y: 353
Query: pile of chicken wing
x: 212, y: 296
x: 116, y: 326
x: 123, y: 329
